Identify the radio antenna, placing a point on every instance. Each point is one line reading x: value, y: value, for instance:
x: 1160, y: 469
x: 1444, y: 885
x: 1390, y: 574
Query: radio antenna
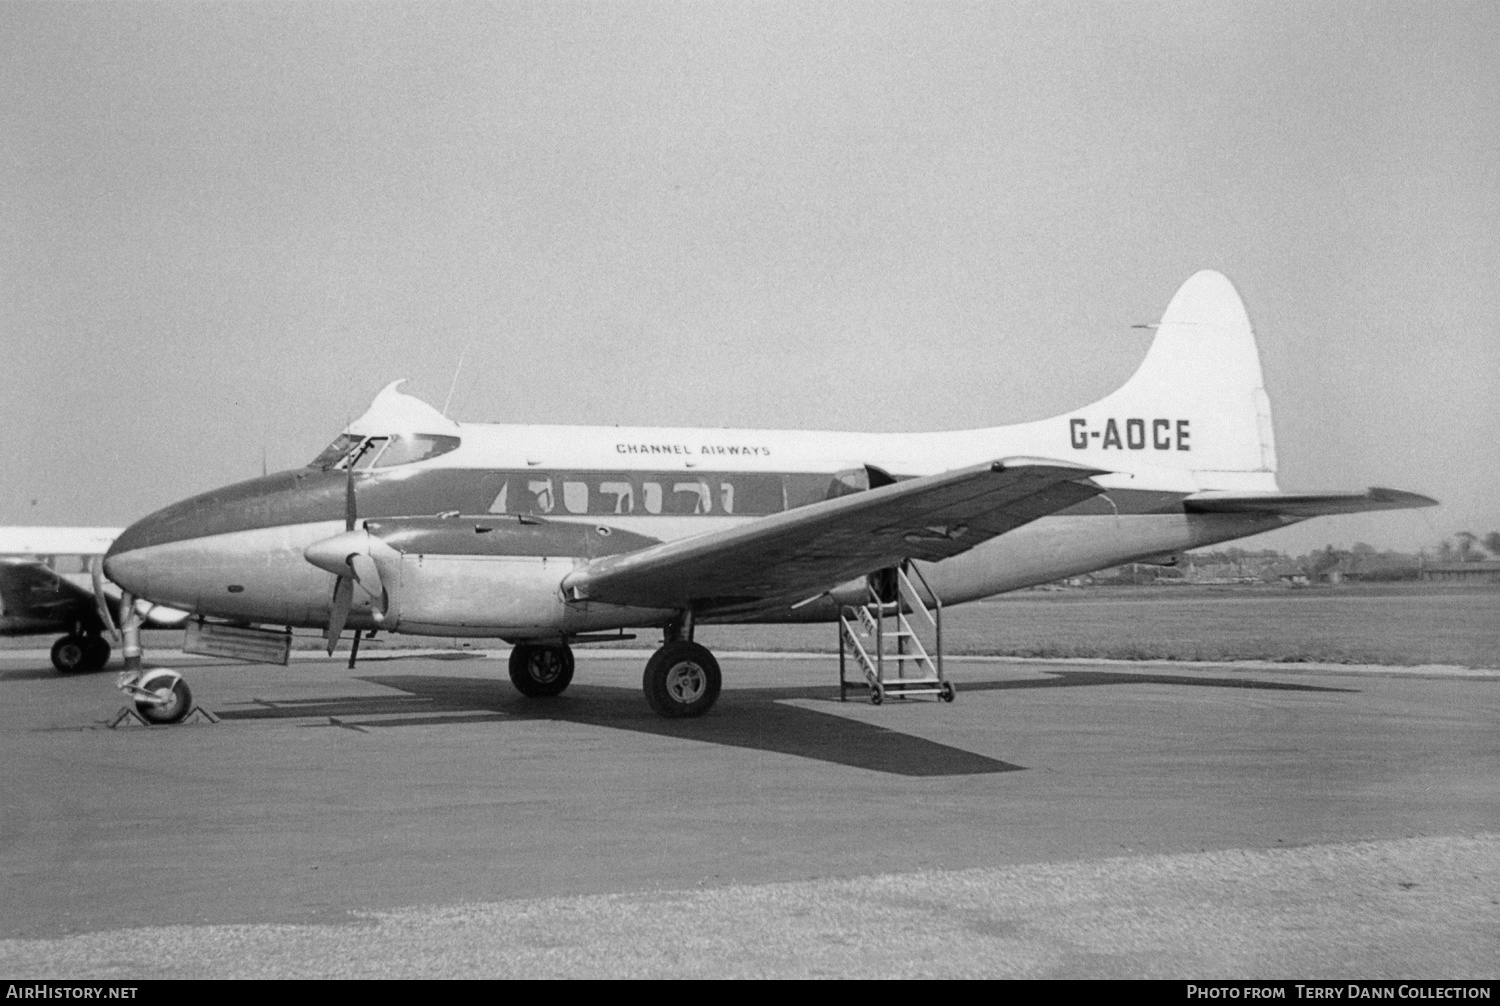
x: 453, y: 385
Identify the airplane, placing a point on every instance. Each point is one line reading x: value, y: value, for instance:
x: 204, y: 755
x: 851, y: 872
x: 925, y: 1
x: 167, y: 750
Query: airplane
x: 548, y: 536
x: 35, y: 599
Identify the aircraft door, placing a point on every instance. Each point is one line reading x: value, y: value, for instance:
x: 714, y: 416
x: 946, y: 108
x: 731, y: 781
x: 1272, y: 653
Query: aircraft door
x: 883, y: 582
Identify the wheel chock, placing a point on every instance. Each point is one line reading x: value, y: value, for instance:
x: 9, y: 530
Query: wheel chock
x: 127, y: 717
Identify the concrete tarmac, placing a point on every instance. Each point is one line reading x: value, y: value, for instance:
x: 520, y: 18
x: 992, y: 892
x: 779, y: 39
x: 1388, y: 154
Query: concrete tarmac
x: 1074, y: 820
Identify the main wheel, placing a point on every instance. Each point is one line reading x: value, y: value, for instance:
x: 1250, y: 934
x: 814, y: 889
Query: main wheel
x: 541, y: 671
x: 170, y: 687
x: 70, y: 654
x: 682, y: 679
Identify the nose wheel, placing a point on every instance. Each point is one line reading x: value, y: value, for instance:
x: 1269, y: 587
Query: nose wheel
x: 682, y: 680
x: 161, y: 696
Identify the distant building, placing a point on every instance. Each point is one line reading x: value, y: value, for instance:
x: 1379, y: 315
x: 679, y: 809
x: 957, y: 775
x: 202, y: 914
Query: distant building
x: 1487, y: 571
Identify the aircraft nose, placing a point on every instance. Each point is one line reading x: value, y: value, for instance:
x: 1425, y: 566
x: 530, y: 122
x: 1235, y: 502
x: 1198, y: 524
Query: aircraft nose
x: 127, y: 562
x: 127, y: 569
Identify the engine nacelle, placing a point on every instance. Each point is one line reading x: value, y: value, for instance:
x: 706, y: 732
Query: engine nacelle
x: 494, y: 576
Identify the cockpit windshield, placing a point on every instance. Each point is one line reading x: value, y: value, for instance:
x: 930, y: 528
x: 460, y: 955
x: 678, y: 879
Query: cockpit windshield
x: 382, y: 452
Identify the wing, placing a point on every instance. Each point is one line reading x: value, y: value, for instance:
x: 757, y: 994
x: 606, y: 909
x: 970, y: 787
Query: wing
x: 57, y: 540
x: 35, y: 599
x: 1314, y: 505
x: 816, y: 547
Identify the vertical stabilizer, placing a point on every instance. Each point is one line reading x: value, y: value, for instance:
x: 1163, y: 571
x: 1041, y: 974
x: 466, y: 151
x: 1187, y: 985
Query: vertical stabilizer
x: 1197, y: 401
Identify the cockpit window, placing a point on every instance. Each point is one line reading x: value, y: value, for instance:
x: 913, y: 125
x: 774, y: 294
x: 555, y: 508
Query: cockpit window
x: 382, y: 452
x: 366, y: 454
x: 419, y: 447
x: 336, y: 451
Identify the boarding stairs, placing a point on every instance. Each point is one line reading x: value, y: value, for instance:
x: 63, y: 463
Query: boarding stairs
x: 880, y: 637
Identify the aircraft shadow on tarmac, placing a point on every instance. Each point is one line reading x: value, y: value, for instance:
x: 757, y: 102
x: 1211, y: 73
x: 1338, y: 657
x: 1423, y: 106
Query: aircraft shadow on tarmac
x: 754, y: 718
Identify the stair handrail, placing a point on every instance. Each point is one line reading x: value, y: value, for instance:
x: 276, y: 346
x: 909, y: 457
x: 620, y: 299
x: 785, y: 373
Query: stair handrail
x: 935, y: 616
x: 855, y: 644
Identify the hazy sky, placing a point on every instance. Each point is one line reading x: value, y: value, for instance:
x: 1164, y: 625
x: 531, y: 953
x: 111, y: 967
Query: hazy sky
x: 223, y: 227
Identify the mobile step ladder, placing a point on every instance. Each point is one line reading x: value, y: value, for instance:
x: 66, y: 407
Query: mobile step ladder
x: 880, y: 639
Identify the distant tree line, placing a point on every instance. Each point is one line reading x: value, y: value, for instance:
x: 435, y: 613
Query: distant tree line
x: 1360, y: 562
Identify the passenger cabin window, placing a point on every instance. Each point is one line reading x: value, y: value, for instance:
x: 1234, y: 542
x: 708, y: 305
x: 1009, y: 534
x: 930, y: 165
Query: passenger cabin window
x: 576, y: 497
x: 647, y: 493
x: 690, y: 497
x: 623, y: 493
x: 541, y: 496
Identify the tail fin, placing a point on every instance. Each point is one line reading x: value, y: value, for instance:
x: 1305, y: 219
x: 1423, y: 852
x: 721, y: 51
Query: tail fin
x: 1196, y: 402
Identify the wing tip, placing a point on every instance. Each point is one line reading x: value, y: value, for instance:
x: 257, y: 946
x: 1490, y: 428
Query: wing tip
x: 1400, y: 497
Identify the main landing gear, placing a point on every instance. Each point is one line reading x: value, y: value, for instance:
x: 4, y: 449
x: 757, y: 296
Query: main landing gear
x: 682, y: 679
x: 77, y: 652
x: 539, y: 671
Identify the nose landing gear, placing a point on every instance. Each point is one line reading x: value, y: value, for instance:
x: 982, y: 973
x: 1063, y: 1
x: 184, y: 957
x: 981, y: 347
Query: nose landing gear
x: 160, y: 695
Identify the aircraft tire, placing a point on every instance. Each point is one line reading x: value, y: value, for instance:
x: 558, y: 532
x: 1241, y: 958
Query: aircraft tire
x: 70, y: 654
x: 540, y: 672
x: 682, y: 680
x: 170, y: 686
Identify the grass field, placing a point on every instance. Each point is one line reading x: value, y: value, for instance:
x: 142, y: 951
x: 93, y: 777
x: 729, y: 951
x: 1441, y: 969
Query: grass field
x: 1402, y: 624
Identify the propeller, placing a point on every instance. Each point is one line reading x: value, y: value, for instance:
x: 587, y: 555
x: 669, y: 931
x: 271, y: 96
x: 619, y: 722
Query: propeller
x: 343, y: 588
x: 347, y: 556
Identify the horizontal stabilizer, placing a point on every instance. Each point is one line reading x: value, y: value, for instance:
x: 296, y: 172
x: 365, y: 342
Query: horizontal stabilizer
x: 1305, y: 504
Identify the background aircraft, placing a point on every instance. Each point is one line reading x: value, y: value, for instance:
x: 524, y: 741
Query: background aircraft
x: 39, y: 598
x: 545, y: 536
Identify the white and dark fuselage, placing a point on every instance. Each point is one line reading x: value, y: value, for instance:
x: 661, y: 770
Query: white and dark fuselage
x: 238, y: 553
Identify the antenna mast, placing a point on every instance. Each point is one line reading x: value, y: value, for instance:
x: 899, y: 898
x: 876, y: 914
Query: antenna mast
x: 454, y: 384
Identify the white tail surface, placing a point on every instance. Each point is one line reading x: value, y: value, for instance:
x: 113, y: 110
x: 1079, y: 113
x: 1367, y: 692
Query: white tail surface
x: 1197, y: 404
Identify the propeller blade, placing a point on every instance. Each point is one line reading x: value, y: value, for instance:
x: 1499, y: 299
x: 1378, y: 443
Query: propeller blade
x: 96, y: 569
x: 343, y: 594
x: 366, y: 573
x: 351, y: 512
